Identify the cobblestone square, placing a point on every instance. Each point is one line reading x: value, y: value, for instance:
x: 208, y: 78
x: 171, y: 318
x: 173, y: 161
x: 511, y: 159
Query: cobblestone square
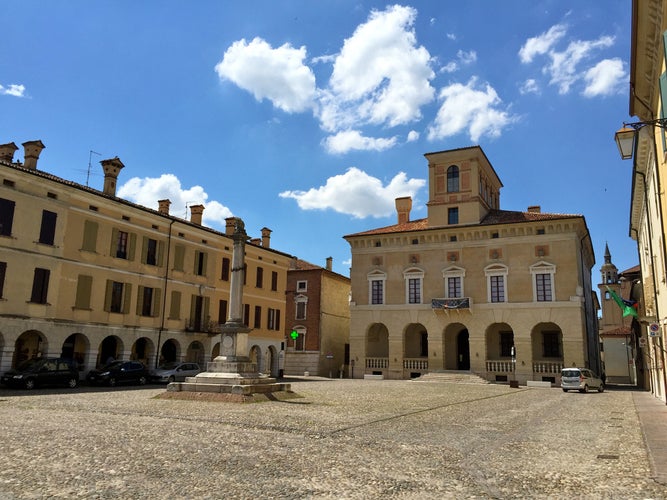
x: 339, y: 439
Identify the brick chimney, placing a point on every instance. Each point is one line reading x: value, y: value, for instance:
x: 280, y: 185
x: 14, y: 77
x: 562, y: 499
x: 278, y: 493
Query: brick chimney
x: 32, y: 150
x: 112, y: 168
x: 196, y: 212
x: 230, y: 224
x: 534, y: 209
x: 163, y: 206
x: 266, y: 237
x: 403, y: 207
x: 7, y: 152
x: 329, y: 263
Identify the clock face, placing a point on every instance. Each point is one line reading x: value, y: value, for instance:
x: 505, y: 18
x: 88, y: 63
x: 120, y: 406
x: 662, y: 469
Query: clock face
x: 227, y: 341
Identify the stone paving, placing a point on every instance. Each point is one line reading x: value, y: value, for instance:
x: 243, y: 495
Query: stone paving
x: 340, y: 439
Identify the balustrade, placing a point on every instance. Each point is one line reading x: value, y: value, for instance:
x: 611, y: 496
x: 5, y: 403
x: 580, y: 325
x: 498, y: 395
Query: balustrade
x: 377, y: 363
x: 502, y: 366
x: 547, y: 366
x: 415, y: 364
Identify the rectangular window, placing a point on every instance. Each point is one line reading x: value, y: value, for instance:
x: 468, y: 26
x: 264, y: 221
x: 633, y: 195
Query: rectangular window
x: 300, y: 342
x: 47, y: 231
x: 551, y: 346
x: 146, y: 300
x: 89, y: 243
x: 151, y: 251
x: 543, y: 287
x: 274, y: 281
x: 225, y: 269
x: 259, y: 279
x: 301, y: 310
x: 301, y: 286
x: 222, y: 311
x: 414, y: 291
x: 84, y: 286
x: 497, y: 288
x: 453, y: 215
x: 122, y: 245
x: 175, y: 305
x: 3, y: 273
x: 273, y: 319
x: 40, y: 286
x: 200, y: 263
x: 246, y: 314
x: 258, y: 317
x: 116, y: 297
x: 453, y: 287
x: 6, y: 216
x: 377, y: 291
x: 506, y: 344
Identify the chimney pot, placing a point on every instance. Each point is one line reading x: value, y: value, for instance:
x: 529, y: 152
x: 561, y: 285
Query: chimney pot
x: 534, y: 209
x: 112, y: 168
x: 32, y: 150
x: 329, y: 263
x: 163, y: 206
x: 403, y: 207
x: 7, y: 152
x: 196, y: 213
x: 230, y: 224
x: 266, y: 237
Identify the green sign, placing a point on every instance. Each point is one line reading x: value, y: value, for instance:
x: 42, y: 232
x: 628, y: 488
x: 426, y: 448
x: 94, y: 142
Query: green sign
x: 294, y: 335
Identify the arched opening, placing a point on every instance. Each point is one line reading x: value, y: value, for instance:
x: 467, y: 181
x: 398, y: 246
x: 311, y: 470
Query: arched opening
x: 195, y: 353
x: 142, y: 351
x: 30, y: 345
x: 377, y: 349
x: 256, y: 357
x: 110, y: 350
x: 456, y: 347
x: 547, y: 351
x: 215, y: 352
x: 272, y: 361
x: 463, y: 350
x: 169, y: 351
x: 499, y: 345
x: 75, y: 348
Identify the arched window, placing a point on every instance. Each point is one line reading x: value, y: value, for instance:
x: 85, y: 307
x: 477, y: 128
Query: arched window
x: 453, y: 179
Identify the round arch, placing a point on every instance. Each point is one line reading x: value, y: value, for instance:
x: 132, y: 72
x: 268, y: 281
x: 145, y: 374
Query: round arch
x: 456, y: 347
x: 30, y: 344
x: 110, y: 349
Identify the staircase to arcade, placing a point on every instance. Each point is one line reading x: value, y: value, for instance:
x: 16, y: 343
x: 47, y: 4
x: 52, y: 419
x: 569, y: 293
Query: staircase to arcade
x: 453, y: 377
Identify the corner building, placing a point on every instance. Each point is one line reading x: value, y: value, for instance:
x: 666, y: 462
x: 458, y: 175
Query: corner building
x: 90, y: 276
x: 504, y: 294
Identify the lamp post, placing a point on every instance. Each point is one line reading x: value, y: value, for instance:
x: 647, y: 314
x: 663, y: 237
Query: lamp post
x: 626, y: 137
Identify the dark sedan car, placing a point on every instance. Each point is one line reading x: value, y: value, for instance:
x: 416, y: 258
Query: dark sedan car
x: 119, y: 372
x: 42, y: 372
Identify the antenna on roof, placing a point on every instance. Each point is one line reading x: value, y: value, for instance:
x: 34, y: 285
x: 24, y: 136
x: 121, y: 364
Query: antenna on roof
x: 186, y: 208
x: 90, y: 158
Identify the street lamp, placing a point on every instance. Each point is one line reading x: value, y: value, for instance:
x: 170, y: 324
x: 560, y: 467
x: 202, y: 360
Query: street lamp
x: 625, y: 137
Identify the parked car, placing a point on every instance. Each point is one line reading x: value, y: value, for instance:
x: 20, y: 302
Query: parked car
x: 119, y: 372
x: 174, y: 371
x: 580, y: 379
x: 42, y: 372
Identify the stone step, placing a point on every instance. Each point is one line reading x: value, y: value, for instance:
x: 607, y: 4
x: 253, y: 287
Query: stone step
x: 452, y: 376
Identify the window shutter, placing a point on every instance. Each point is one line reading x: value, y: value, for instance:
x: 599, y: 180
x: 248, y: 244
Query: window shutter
x: 179, y: 257
x: 160, y: 253
x: 47, y: 231
x: 205, y: 309
x: 107, y: 296
x: 83, y: 287
x: 132, y: 246
x: 6, y: 216
x: 114, y: 242
x: 175, y: 306
x: 144, y: 250
x: 89, y: 236
x: 204, y: 263
x: 140, y: 299
x: 157, y: 300
x: 193, y: 311
x: 127, y: 297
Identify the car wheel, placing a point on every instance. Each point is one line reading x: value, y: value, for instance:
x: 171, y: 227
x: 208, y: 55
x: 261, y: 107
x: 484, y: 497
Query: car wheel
x: 142, y: 380
x: 564, y: 390
x: 585, y: 389
x: 30, y: 384
x: 601, y: 388
x: 72, y: 383
x: 171, y: 379
x: 112, y: 381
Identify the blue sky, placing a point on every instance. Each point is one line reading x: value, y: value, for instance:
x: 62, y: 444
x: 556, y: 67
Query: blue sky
x: 310, y: 118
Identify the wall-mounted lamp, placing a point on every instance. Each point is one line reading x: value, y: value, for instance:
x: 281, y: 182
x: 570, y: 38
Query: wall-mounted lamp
x: 625, y: 137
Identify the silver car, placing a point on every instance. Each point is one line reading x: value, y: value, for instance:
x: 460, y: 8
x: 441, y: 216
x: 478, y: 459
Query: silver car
x: 174, y: 371
x: 580, y: 379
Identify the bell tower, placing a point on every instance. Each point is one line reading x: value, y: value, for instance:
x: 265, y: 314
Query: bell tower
x: 612, y: 315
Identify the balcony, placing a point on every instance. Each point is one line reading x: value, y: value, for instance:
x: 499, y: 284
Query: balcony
x: 499, y: 366
x: 457, y: 304
x: 377, y: 363
x: 415, y: 364
x: 548, y: 367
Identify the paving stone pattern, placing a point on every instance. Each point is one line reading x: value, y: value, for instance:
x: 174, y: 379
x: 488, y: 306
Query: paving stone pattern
x: 357, y: 439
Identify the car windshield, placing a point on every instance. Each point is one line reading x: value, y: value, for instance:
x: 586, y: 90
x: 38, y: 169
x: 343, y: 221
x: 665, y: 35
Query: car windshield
x: 571, y: 373
x: 169, y: 366
x: 113, y: 364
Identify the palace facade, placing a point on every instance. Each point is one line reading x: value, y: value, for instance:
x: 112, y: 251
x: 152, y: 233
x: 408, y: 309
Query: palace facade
x: 504, y: 294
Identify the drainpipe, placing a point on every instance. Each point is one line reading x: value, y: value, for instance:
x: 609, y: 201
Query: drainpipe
x: 164, y: 295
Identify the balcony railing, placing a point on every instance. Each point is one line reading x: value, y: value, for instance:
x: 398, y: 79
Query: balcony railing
x: 547, y: 366
x: 415, y: 364
x: 461, y: 303
x: 377, y: 363
x: 499, y: 366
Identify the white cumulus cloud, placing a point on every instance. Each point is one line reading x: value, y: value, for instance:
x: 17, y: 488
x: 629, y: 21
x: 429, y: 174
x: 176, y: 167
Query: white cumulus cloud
x: 349, y: 140
x: 607, y: 77
x: 468, y: 108
x: 13, y: 90
x: 276, y: 74
x: 356, y: 193
x: 541, y: 44
x: 147, y: 191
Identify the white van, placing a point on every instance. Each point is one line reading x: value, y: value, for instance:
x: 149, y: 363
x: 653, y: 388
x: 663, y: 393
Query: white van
x: 580, y: 379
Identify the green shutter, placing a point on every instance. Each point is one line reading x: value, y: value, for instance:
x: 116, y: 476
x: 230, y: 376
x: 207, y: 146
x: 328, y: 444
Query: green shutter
x: 144, y: 249
x: 204, y: 263
x: 140, y: 299
x: 89, y: 236
x: 157, y: 300
x: 114, y: 242
x: 132, y: 246
x: 179, y: 257
x: 107, y: 296
x: 175, y: 306
x: 127, y: 297
x: 193, y: 310
x: 160, y: 253
x: 84, y: 285
x: 205, y: 309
